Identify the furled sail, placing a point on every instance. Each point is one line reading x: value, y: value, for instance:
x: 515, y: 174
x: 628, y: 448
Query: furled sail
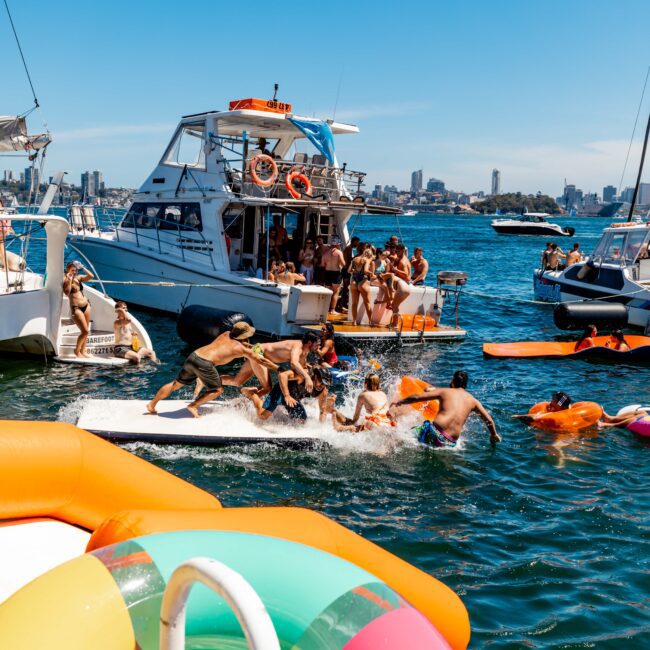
x: 14, y: 136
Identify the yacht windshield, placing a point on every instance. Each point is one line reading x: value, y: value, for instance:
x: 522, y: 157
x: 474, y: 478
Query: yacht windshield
x: 621, y: 247
x: 187, y: 147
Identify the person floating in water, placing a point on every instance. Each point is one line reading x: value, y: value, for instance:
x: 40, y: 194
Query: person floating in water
x: 202, y: 363
x: 374, y: 402
x: 456, y: 405
x: 559, y: 402
x: 289, y: 390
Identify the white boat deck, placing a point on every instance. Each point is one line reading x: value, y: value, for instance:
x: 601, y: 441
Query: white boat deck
x: 129, y: 421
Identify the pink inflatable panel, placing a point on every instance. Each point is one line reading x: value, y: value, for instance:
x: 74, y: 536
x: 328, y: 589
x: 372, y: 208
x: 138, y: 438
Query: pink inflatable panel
x: 400, y: 628
x: 640, y: 426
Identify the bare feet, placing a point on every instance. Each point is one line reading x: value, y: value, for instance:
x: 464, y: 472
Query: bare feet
x: 194, y: 411
x: 151, y: 407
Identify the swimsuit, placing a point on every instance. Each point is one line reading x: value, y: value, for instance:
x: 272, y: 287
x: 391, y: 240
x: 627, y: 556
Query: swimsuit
x: 431, y: 434
x: 196, y: 367
x: 380, y: 420
x: 275, y: 398
x: 120, y: 351
x: 332, y: 277
x: 81, y: 309
x: 330, y: 357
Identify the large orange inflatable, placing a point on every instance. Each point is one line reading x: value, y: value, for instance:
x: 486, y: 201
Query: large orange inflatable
x: 578, y: 416
x: 412, y: 386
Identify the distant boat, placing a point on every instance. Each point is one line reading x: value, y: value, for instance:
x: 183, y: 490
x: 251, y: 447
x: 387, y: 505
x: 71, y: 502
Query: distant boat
x: 409, y: 213
x: 531, y: 223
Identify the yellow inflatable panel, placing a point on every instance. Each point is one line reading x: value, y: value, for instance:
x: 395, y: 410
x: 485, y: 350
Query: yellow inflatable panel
x: 434, y: 599
x: 28, y: 621
x: 53, y: 469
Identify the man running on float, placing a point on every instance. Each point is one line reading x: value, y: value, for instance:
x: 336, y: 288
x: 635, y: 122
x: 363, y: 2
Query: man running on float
x: 374, y: 402
x: 456, y: 405
x: 201, y: 365
x: 291, y: 351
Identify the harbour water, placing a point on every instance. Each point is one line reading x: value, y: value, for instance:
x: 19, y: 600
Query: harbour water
x: 546, y: 538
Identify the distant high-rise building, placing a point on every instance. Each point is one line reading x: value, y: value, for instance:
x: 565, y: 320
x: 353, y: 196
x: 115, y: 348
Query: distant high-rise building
x: 496, y: 182
x: 88, y: 185
x: 644, y: 194
x: 435, y: 185
x: 416, y: 181
x: 609, y: 193
x: 376, y: 193
x: 31, y: 178
x: 569, y: 197
x: 22, y: 178
x: 99, y: 181
x: 9, y: 175
x: 626, y: 194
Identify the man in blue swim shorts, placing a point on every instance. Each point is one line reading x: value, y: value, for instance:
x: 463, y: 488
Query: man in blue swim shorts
x: 456, y: 405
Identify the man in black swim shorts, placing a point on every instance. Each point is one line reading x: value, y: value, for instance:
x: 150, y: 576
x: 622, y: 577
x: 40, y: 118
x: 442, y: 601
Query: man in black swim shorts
x: 333, y: 263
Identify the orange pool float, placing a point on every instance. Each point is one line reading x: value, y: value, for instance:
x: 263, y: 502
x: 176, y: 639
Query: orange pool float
x: 578, y: 416
x: 412, y: 386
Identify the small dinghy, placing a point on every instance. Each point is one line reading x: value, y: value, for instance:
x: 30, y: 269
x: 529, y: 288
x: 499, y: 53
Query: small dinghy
x: 639, y: 352
x: 128, y: 421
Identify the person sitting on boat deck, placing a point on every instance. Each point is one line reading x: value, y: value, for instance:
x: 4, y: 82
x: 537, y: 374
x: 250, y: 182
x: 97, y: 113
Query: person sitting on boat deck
x: 333, y: 263
x: 374, y: 402
x: 574, y: 256
x: 288, y: 391
x: 554, y: 258
x: 361, y: 273
x: 402, y: 271
x: 306, y: 258
x: 456, y: 405
x: 127, y: 345
x: 587, y: 339
x: 420, y: 267
x: 80, y: 309
x: 545, y: 253
x: 291, y: 351
x: 201, y: 365
x: 617, y: 341
x: 560, y: 401
x: 286, y: 274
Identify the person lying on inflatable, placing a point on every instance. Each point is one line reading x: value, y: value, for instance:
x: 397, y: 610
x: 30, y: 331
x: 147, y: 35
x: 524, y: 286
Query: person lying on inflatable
x: 636, y: 420
x: 559, y: 402
x: 561, y: 416
x: 456, y: 405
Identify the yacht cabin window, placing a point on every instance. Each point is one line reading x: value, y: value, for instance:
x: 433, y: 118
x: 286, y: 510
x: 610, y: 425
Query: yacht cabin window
x: 187, y: 148
x: 620, y: 247
x: 164, y: 216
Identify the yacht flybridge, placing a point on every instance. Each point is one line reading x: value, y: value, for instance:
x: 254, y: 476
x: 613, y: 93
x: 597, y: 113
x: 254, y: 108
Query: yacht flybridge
x: 198, y: 229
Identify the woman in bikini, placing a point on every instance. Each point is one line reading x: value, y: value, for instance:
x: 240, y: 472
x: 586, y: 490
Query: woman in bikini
x: 124, y: 348
x: 373, y: 401
x: 384, y: 278
x: 587, y: 339
x: 306, y: 258
x: 361, y: 273
x: 80, y: 309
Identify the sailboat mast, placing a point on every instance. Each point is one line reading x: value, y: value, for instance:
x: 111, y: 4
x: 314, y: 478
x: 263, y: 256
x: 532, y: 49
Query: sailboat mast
x: 638, y: 178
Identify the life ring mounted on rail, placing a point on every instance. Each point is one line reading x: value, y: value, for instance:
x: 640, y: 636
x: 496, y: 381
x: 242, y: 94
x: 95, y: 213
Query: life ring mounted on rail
x: 297, y: 184
x: 268, y: 163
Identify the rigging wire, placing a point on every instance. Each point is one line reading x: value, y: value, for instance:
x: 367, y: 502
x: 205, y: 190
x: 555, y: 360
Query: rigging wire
x: 22, y: 56
x: 638, y: 112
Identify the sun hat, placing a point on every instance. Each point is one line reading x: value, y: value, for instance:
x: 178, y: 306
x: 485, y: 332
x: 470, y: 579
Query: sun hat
x: 241, y: 330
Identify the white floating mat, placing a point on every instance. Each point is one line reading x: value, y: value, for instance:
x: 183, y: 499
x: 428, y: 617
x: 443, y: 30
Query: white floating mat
x: 128, y: 420
x: 93, y: 361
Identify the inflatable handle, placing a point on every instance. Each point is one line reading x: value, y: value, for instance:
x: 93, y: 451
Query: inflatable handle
x: 231, y: 586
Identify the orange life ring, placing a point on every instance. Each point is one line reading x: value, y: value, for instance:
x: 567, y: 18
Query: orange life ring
x: 266, y: 159
x: 297, y: 176
x: 580, y: 415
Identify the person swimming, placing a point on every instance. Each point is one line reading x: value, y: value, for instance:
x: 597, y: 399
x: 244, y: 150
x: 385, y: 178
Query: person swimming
x: 587, y: 339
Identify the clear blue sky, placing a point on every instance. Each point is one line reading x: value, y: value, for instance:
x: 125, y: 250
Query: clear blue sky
x: 542, y: 90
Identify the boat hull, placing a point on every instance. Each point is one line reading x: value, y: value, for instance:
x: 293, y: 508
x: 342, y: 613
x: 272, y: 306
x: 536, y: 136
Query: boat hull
x: 531, y: 230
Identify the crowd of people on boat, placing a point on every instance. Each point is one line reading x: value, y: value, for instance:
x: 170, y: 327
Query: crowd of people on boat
x: 553, y: 258
x: 349, y: 272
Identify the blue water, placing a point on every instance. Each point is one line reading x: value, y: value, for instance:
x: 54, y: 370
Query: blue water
x: 545, y: 538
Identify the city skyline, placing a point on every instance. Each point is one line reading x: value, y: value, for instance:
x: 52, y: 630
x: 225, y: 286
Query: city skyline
x: 537, y: 118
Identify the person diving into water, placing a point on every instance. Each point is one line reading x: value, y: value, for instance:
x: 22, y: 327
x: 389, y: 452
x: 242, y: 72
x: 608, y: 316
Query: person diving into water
x: 456, y: 405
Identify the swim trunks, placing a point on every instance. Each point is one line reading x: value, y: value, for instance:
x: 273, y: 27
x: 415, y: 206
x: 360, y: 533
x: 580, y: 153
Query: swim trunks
x: 380, y: 420
x: 195, y: 367
x: 275, y: 398
x: 332, y: 277
x: 429, y: 433
x: 121, y: 350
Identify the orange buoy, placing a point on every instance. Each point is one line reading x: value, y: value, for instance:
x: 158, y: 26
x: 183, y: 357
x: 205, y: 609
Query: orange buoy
x: 265, y: 160
x: 412, y: 386
x: 297, y: 177
x: 578, y: 416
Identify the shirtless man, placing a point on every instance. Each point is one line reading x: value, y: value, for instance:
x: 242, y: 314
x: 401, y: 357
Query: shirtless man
x: 574, y: 255
x: 545, y: 253
x: 554, y: 257
x: 288, y: 392
x: 402, y: 271
x: 456, y: 405
x: 333, y: 263
x: 201, y: 364
x: 292, y: 351
x: 420, y: 267
x: 375, y: 403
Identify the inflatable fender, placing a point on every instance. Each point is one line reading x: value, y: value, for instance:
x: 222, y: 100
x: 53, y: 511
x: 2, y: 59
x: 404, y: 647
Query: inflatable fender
x: 577, y: 315
x: 199, y: 325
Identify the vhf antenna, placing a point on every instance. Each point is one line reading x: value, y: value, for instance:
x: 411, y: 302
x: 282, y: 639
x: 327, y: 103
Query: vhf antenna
x: 275, y: 91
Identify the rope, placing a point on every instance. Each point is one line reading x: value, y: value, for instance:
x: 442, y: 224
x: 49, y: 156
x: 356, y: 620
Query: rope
x: 20, y: 49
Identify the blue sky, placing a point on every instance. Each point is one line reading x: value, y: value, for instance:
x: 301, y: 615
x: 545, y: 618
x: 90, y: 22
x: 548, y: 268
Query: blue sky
x: 542, y: 90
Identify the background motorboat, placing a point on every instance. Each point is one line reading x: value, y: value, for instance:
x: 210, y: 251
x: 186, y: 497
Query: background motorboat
x: 531, y: 223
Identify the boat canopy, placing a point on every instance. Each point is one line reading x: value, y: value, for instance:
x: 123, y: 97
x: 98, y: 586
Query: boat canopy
x: 14, y: 136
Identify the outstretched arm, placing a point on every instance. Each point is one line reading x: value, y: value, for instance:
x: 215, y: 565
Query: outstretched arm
x: 488, y: 421
x: 297, y: 367
x: 428, y: 396
x: 258, y: 358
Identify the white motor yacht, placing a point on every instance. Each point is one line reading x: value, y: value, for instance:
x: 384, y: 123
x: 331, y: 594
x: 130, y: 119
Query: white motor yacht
x: 618, y: 271
x: 197, y: 231
x: 531, y: 223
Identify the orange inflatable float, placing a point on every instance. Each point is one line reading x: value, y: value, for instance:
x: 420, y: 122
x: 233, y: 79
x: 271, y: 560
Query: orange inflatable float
x: 412, y: 386
x: 578, y: 416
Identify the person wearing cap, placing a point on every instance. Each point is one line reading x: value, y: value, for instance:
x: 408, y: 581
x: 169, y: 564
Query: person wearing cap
x: 560, y: 401
x: 333, y: 263
x: 201, y: 366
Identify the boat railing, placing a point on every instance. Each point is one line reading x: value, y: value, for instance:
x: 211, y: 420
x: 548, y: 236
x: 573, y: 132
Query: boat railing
x: 188, y: 240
